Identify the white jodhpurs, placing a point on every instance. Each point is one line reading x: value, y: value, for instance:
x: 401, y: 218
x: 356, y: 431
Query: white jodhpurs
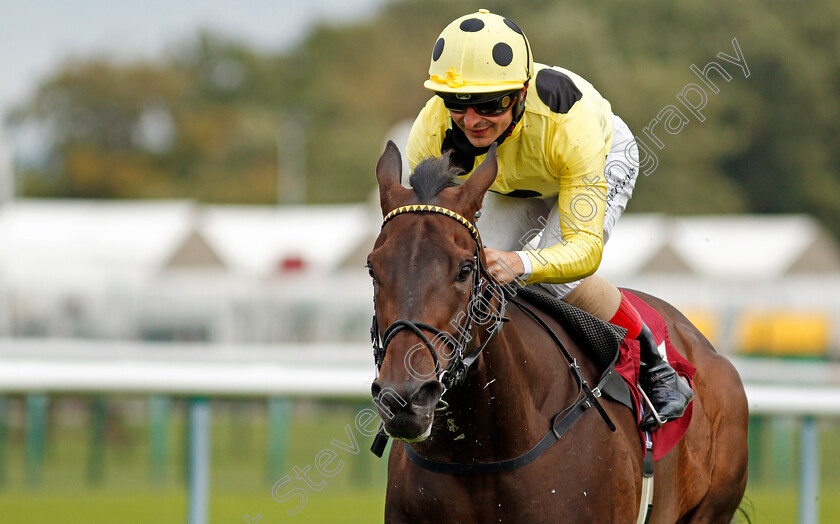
x: 514, y: 224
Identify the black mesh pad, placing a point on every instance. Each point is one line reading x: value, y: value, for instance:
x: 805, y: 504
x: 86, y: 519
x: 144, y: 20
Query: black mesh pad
x: 600, y: 338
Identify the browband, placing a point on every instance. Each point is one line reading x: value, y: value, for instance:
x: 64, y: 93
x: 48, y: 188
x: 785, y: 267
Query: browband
x: 426, y: 208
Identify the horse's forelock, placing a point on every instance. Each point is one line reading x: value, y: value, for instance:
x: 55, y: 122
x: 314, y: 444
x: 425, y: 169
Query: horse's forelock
x: 433, y: 175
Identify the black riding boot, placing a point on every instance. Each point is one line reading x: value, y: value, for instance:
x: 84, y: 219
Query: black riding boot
x: 668, y: 392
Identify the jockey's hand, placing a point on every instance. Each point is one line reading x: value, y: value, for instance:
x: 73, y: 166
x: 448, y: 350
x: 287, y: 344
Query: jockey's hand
x: 505, y: 266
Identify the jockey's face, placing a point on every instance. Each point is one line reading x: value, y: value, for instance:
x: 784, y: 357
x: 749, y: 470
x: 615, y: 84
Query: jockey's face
x: 482, y: 130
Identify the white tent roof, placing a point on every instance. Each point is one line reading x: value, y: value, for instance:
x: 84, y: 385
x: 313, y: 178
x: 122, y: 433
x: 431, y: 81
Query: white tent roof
x: 82, y: 241
x: 634, y: 241
x: 725, y: 247
x: 253, y: 240
x: 752, y: 247
x: 77, y: 242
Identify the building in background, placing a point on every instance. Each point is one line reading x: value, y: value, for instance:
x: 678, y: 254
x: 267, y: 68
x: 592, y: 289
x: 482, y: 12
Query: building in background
x: 7, y: 172
x: 180, y: 271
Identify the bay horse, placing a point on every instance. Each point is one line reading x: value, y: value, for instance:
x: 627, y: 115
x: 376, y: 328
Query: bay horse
x: 481, y: 395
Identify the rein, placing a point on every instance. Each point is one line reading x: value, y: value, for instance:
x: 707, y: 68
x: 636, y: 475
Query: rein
x: 456, y: 371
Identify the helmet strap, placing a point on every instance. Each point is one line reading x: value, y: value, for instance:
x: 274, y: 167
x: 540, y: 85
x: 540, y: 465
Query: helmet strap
x: 518, y: 112
x: 520, y: 104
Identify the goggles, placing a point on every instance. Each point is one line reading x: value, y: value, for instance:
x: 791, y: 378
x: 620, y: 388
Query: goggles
x: 483, y: 106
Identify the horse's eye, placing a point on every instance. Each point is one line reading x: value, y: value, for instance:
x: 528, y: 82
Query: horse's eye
x: 464, y: 273
x: 370, y: 271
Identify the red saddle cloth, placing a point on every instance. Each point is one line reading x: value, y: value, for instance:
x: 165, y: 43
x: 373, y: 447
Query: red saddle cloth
x: 666, y: 437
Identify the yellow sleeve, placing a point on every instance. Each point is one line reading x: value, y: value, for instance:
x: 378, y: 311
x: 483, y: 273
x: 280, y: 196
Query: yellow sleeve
x: 427, y: 132
x: 577, y: 153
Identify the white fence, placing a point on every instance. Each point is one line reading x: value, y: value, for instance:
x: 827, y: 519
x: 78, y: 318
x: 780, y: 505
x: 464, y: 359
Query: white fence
x: 321, y: 374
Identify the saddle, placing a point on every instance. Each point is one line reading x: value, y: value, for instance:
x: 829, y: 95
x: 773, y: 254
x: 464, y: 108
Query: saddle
x: 618, y: 357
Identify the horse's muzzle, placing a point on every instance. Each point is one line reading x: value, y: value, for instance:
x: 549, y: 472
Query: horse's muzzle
x: 407, y: 411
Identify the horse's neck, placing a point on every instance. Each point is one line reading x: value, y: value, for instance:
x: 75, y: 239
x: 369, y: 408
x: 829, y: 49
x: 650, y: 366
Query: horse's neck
x: 499, y: 411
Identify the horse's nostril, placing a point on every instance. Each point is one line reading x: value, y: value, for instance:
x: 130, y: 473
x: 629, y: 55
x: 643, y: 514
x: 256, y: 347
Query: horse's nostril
x: 387, y: 399
x: 428, y: 394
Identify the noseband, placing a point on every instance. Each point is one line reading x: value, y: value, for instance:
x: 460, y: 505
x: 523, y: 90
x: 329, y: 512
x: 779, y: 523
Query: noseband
x: 482, y: 285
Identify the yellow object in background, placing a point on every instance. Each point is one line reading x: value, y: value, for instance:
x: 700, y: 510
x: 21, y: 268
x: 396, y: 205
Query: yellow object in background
x: 706, y: 321
x: 784, y: 333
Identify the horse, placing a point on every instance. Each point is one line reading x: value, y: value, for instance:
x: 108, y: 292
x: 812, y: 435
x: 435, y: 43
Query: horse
x: 479, y: 395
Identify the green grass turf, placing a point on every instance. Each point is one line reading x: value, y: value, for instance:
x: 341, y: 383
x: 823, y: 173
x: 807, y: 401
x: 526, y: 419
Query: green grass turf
x: 128, y: 492
x: 765, y: 506
x: 769, y: 505
x: 147, y: 508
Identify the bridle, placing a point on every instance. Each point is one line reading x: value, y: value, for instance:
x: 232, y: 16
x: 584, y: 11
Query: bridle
x: 483, y: 284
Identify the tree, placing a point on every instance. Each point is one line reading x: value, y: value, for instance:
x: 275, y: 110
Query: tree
x: 765, y: 142
x: 201, y: 123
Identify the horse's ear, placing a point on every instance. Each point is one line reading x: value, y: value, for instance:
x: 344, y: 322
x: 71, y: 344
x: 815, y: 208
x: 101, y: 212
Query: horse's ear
x: 473, y: 190
x: 388, y: 175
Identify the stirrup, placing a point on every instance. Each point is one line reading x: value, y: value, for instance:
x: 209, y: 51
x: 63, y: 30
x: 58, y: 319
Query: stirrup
x: 652, y: 411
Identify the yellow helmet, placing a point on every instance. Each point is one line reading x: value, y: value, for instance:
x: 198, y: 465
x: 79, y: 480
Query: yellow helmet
x: 480, y: 53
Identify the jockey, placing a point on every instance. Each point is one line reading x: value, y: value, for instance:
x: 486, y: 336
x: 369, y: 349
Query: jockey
x: 567, y: 167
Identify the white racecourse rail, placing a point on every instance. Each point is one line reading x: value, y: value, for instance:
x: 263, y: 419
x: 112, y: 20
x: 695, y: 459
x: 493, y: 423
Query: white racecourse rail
x: 317, y: 370
x: 271, y: 379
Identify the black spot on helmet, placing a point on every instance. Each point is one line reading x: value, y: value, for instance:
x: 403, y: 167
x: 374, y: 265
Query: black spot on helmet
x: 472, y: 25
x: 502, y: 54
x: 438, y: 48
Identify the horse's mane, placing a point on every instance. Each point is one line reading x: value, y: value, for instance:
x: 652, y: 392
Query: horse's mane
x: 433, y: 175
